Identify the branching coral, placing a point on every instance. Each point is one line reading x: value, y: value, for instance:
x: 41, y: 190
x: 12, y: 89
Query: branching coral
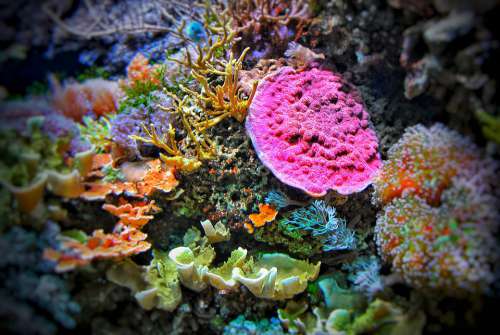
x: 268, y: 25
x: 96, y: 19
x: 440, y: 211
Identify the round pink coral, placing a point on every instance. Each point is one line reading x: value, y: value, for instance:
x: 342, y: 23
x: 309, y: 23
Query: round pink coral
x: 311, y: 130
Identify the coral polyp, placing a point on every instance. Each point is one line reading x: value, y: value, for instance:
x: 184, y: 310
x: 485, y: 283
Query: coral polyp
x: 436, y: 228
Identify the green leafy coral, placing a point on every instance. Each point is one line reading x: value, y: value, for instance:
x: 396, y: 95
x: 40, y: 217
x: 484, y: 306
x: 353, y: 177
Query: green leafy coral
x: 154, y: 286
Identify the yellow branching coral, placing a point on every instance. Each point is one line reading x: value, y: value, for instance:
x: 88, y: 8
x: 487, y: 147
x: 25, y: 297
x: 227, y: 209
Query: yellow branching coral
x: 219, y: 39
x: 226, y: 100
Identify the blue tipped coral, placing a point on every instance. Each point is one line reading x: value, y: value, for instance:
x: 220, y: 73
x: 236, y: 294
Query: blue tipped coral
x: 322, y: 222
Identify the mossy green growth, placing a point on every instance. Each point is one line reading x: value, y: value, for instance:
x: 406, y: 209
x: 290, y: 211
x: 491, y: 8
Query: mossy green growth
x: 96, y: 132
x: 93, y: 72
x: 490, y: 125
x: 24, y: 157
x: 294, y: 241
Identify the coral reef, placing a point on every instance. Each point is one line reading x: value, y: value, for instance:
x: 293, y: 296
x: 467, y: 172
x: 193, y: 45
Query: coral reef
x: 188, y: 167
x: 290, y: 124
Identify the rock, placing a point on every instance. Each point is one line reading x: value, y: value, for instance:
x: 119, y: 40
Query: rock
x: 440, y: 33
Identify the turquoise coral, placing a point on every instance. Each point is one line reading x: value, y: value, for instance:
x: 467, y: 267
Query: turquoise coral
x: 321, y: 221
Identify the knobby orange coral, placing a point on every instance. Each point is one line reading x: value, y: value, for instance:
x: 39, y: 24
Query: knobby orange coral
x: 267, y: 213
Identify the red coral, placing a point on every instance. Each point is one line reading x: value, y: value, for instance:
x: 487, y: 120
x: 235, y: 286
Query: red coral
x: 311, y: 129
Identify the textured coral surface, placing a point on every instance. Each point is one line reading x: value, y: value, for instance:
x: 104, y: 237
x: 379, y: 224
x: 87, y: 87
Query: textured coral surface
x: 436, y: 227
x: 311, y: 129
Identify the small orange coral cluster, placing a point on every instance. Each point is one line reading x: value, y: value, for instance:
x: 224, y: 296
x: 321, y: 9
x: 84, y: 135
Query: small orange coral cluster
x: 267, y: 213
x: 142, y: 179
x: 125, y: 240
x: 140, y: 72
x: 96, y: 97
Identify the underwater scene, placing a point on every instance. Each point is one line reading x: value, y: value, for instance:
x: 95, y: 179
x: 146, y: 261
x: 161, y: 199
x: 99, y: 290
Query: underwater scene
x: 247, y: 167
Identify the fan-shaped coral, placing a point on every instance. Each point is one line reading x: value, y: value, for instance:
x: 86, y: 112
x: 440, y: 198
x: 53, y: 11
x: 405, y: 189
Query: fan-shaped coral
x: 311, y: 129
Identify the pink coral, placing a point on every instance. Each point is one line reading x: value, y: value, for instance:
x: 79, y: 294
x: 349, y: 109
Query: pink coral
x: 311, y: 130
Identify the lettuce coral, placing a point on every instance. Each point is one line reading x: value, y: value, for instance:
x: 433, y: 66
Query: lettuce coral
x: 154, y: 286
x: 440, y: 212
x: 271, y: 276
x: 312, y: 131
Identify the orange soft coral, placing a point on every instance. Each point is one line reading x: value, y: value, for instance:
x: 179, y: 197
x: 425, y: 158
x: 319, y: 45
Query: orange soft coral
x: 122, y: 243
x: 92, y: 97
x: 139, y: 72
x: 267, y: 213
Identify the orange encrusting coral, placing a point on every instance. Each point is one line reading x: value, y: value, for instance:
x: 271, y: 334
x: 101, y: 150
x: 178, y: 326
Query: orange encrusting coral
x: 74, y: 253
x: 143, y: 179
x: 125, y: 240
x: 267, y: 213
x: 132, y: 214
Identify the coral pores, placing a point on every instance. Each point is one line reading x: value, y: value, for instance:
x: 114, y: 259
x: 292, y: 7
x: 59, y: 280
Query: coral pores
x: 311, y: 130
x: 440, y: 212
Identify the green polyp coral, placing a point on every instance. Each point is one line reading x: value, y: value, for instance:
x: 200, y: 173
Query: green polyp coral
x: 336, y: 296
x: 154, y: 286
x: 23, y: 158
x: 276, y: 276
x: 276, y: 233
x: 383, y: 317
x: 97, y: 133
x: 490, y: 125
